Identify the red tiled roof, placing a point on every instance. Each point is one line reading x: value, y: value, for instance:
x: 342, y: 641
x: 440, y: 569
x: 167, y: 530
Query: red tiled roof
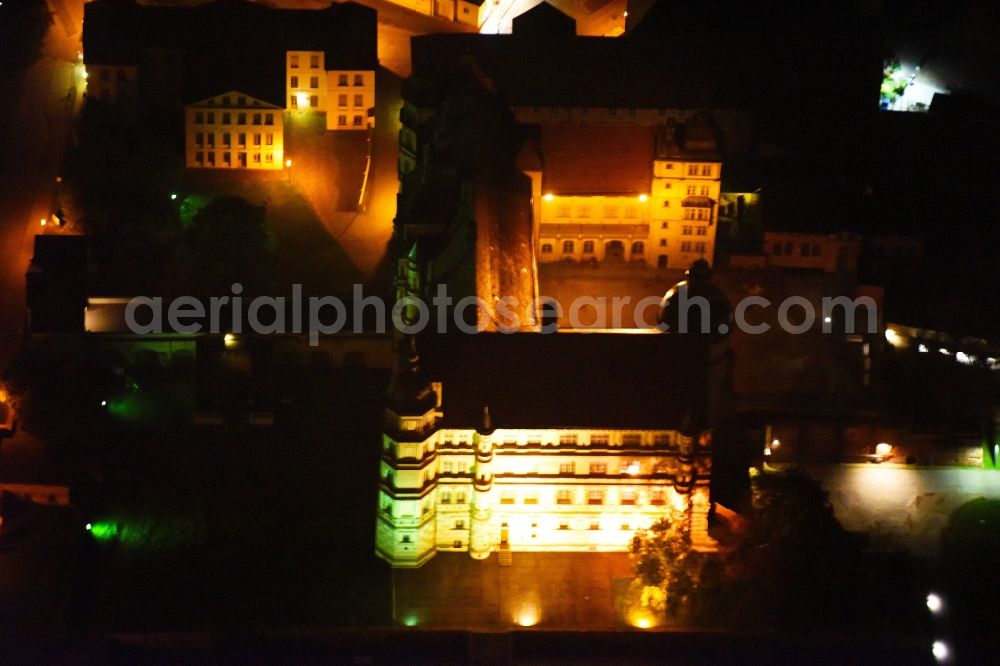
x: 596, y: 159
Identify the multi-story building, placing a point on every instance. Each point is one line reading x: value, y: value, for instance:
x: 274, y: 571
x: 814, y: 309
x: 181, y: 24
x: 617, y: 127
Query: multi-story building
x: 154, y: 58
x: 234, y: 131
x: 470, y: 12
x: 537, y: 458
x: 605, y: 192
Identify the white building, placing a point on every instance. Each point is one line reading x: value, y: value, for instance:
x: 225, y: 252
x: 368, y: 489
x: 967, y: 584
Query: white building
x: 545, y: 475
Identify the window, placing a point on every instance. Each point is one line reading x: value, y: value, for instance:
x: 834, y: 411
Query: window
x: 567, y: 247
x: 563, y: 211
x: 568, y: 439
x: 241, y: 101
x: 268, y: 139
x: 699, y: 247
x: 661, y: 439
x: 777, y: 249
x: 507, y: 497
x: 804, y: 250
x: 700, y: 231
x: 599, y: 440
x: 341, y: 100
x: 611, y: 211
x: 294, y: 61
x: 445, y: 497
x: 692, y: 171
x: 595, y: 497
x: 664, y: 225
x: 660, y: 468
x: 598, y: 468
x: 227, y: 139
x: 583, y: 211
x: 359, y: 80
x: 256, y: 139
x: 670, y: 165
x: 342, y: 80
x: 595, y: 525
x: 210, y: 119
x: 199, y: 118
x: 341, y: 121
x: 460, y: 498
x: 704, y: 190
x: 638, y: 247
x: 459, y: 524
x: 657, y: 496
x: 692, y: 189
x: 199, y: 157
x: 446, y: 468
x: 685, y: 246
x: 462, y: 467
x: 563, y: 525
x: 815, y: 250
x: 788, y: 248
x: 211, y: 140
x: 199, y: 139
x: 567, y: 468
x: 211, y: 158
x: 227, y: 158
x: 628, y: 495
x: 359, y: 121
x: 314, y: 101
x: 226, y: 100
x: 314, y: 62
x: 405, y: 538
x: 359, y: 100
x: 457, y: 543
x: 241, y: 119
x: 295, y: 82
x: 256, y: 119
x: 226, y: 118
x: 293, y: 102
x: 314, y: 82
x: 632, y: 439
x: 630, y: 212
x: 269, y: 119
x: 564, y: 497
x: 531, y: 497
x: 706, y: 169
x: 546, y: 248
x: 687, y: 230
x: 663, y: 242
x: 256, y: 158
x: 588, y: 247
x: 241, y: 139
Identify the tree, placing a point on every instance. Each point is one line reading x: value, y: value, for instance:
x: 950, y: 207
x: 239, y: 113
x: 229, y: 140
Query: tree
x: 227, y: 241
x: 664, y: 560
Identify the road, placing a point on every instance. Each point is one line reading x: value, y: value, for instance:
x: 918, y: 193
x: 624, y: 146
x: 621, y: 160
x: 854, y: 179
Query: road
x: 39, y: 127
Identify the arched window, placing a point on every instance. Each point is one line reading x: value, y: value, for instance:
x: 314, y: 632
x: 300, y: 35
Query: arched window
x: 568, y: 247
x: 546, y: 248
x: 638, y: 247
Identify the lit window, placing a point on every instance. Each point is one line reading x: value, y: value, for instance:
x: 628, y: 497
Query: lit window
x: 568, y: 439
x: 567, y: 468
x: 507, y: 497
x: 598, y: 468
x: 567, y: 247
x: 657, y: 496
x: 595, y: 525
x: 632, y: 439
x: 628, y: 495
x: 531, y: 497
x: 564, y: 497
x: 445, y: 497
x: 599, y: 440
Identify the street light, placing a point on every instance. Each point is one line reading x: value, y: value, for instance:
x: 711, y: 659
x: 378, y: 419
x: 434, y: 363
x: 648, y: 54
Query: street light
x: 288, y: 166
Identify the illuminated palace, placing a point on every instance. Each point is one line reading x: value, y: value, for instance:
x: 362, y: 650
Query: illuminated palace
x: 529, y: 452
x: 241, y: 71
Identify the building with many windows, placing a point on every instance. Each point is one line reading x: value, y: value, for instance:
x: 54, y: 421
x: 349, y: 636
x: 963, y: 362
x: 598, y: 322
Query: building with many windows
x: 206, y: 58
x: 535, y: 451
x: 634, y: 193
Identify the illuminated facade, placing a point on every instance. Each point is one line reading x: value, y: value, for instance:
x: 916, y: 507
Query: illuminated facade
x: 487, y: 488
x: 347, y: 97
x: 631, y: 193
x: 233, y: 131
x: 470, y: 12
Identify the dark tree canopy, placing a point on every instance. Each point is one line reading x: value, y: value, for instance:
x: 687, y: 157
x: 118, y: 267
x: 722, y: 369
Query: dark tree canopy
x: 23, y: 24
